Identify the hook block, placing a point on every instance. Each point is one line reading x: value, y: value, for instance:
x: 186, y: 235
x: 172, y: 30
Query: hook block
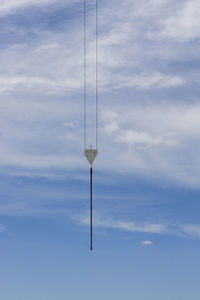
x: 91, y: 155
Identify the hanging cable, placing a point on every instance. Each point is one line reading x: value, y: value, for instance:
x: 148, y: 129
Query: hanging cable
x: 85, y: 75
x: 90, y: 153
x: 97, y: 77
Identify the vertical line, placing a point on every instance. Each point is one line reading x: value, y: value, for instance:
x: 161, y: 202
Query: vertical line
x: 97, y: 79
x: 85, y: 75
x: 91, y: 171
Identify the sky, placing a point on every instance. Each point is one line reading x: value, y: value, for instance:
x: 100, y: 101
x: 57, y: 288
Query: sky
x: 146, y: 176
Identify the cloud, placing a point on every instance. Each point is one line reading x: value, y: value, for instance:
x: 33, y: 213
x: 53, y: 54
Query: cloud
x: 40, y: 84
x: 7, y: 6
x: 149, y: 107
x: 154, y: 138
x: 10, y: 6
x: 154, y: 80
x: 49, y: 86
x: 141, y: 138
x: 191, y: 230
x: 146, y: 243
x: 184, y: 22
x: 146, y: 117
x: 124, y: 225
x: 169, y: 228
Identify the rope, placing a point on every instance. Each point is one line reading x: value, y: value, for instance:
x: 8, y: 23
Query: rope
x: 85, y: 75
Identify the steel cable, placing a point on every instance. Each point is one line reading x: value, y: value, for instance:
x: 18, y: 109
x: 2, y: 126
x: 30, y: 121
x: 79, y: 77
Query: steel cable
x: 85, y: 73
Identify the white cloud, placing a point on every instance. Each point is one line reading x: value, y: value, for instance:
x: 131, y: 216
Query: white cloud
x: 124, y: 225
x: 141, y: 138
x: 154, y: 139
x: 154, y: 80
x: 10, y: 6
x: 184, y: 22
x: 149, y: 122
x: 146, y: 243
x: 7, y: 6
x: 191, y: 230
x: 41, y: 86
x: 185, y: 231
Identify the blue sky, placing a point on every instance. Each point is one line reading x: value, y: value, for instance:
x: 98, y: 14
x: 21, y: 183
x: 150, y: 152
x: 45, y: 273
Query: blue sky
x: 147, y: 175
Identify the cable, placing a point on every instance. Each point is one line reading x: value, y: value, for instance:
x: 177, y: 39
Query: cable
x: 97, y: 75
x: 85, y: 110
x: 85, y: 75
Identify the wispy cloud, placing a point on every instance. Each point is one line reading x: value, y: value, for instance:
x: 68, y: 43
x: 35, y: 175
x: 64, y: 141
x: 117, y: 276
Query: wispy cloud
x: 184, y: 22
x: 166, y: 228
x: 124, y: 225
x: 41, y: 84
x: 147, y: 118
x: 192, y: 230
x: 10, y: 6
x: 151, y: 136
x: 152, y: 80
